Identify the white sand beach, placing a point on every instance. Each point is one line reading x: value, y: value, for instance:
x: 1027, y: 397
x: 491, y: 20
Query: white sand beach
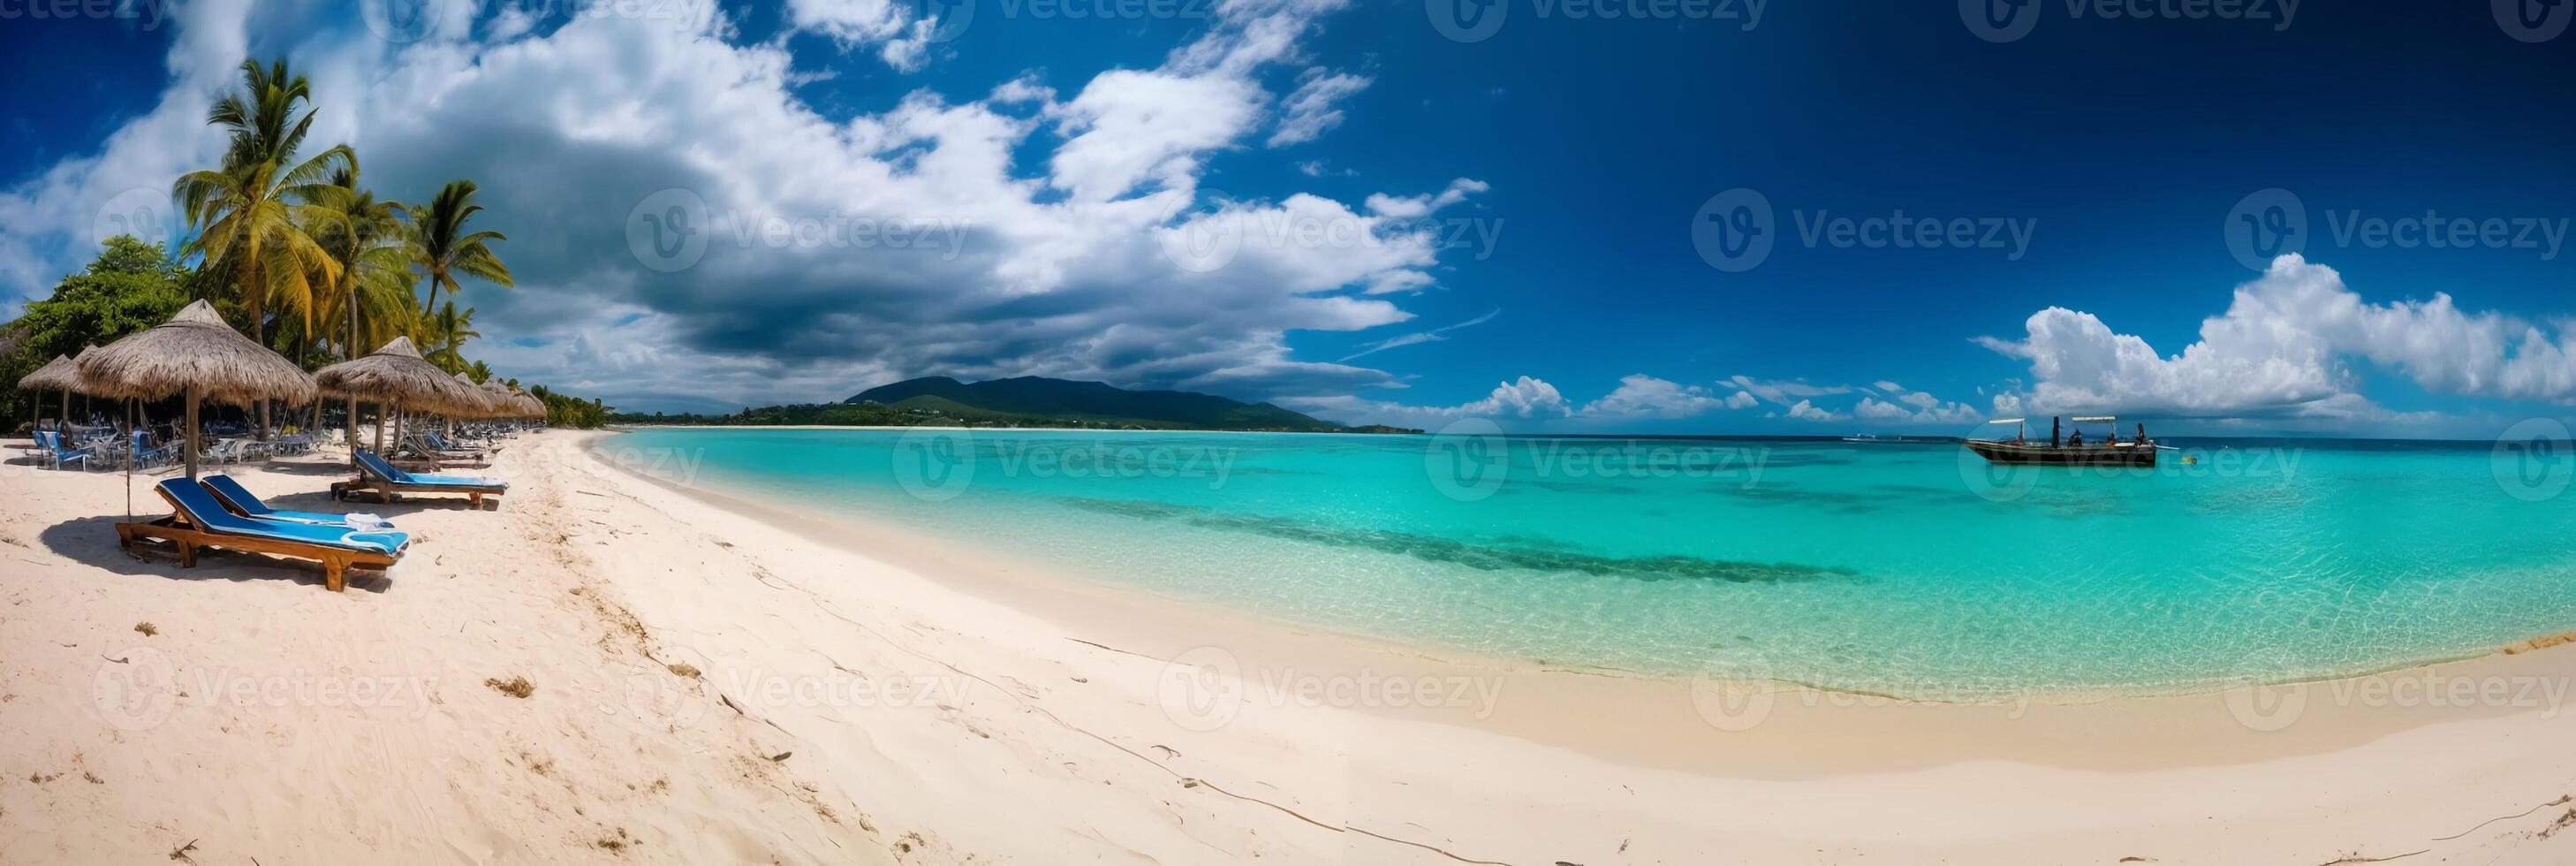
x: 714, y: 682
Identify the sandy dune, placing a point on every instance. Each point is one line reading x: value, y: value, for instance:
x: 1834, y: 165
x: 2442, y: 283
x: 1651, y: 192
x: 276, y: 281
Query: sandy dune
x: 715, y: 683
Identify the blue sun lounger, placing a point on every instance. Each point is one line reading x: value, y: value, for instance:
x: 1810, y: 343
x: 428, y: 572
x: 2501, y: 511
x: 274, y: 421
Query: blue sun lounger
x: 388, y: 481
x: 197, y: 520
x: 49, y: 445
x: 241, y: 501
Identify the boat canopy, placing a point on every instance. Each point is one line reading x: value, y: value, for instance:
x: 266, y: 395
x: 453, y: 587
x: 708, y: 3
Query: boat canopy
x: 2005, y: 421
x: 2088, y: 419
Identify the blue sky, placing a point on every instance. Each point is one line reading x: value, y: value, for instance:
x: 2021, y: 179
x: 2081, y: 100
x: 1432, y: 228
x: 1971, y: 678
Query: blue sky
x: 1340, y: 207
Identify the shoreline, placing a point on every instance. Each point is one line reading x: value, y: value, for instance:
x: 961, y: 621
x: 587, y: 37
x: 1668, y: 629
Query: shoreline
x: 719, y: 685
x: 968, y: 568
x: 1641, y: 703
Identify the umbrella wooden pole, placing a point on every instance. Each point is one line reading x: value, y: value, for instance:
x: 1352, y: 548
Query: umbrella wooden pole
x: 192, y: 432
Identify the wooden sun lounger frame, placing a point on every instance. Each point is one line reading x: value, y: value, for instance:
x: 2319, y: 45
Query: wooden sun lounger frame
x: 187, y: 537
x: 386, y: 490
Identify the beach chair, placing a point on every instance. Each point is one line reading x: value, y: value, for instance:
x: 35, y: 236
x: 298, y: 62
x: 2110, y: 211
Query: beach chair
x: 197, y: 520
x: 434, y: 446
x: 50, y: 450
x: 388, y: 481
x: 239, y: 500
x: 442, y: 443
x: 417, y: 454
x: 145, y: 453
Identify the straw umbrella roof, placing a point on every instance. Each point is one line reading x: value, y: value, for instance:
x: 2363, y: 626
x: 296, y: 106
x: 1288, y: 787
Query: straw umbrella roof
x: 529, y: 405
x: 58, y: 374
x: 485, y: 405
x: 194, y: 351
x: 504, y: 404
x: 397, y: 375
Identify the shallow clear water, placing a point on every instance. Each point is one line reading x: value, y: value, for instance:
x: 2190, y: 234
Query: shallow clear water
x: 1912, y: 569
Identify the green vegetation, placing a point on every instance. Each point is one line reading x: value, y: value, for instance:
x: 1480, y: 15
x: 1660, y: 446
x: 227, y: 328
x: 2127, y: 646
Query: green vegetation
x: 293, y: 252
x: 1027, y: 401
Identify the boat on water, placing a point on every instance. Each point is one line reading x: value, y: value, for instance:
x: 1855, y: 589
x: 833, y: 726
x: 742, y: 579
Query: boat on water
x: 2058, y: 450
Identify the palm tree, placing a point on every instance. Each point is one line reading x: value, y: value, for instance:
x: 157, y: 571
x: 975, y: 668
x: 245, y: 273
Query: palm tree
x: 479, y: 372
x: 246, y: 211
x: 447, y: 333
x: 372, y: 246
x: 447, y: 250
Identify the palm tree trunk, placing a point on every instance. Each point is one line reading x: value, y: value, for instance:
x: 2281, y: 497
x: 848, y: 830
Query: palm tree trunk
x: 349, y: 352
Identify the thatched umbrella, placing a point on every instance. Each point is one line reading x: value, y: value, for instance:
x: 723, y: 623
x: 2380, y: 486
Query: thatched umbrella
x: 396, y: 376
x: 484, y: 405
x: 504, y: 404
x: 529, y: 406
x: 56, y: 375
x: 195, y: 354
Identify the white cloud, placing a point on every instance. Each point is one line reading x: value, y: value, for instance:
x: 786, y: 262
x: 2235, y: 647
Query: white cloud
x: 1309, y: 111
x: 1914, y: 407
x: 1418, y: 206
x: 615, y: 109
x: 1419, y: 337
x: 2283, y: 348
x: 1524, y: 398
x: 901, y: 39
x: 1741, y: 400
x: 1782, y: 392
x: 1808, y: 411
x: 1643, y: 396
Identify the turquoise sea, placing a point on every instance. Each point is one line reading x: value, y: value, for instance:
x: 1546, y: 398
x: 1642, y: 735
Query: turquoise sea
x: 1913, y: 569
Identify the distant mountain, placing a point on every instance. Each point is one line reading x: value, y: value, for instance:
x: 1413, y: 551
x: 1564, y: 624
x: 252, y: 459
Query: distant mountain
x: 1036, y: 399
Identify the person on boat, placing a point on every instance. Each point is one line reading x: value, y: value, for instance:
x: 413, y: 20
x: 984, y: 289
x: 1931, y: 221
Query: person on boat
x: 2075, y: 439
